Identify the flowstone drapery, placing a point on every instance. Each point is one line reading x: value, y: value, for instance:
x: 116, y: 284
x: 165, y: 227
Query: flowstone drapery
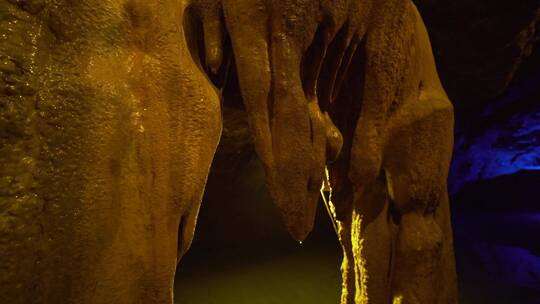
x: 110, y: 116
x: 356, y: 77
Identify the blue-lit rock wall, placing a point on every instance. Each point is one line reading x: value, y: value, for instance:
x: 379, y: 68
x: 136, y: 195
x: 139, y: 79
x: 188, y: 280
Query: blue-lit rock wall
x: 494, y: 182
x: 502, y: 139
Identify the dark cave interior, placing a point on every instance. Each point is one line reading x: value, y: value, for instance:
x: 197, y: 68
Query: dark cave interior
x: 111, y: 111
x: 242, y: 252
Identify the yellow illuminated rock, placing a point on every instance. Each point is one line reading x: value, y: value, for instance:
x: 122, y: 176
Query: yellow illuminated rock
x: 110, y: 116
x: 362, y: 70
x: 108, y: 129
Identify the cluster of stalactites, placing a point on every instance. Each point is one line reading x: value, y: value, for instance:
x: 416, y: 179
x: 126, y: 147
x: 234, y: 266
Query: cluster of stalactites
x: 291, y: 58
x: 304, y: 21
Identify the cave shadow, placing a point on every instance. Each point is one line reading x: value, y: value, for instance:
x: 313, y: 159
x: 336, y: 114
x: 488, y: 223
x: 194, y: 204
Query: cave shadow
x: 497, y: 239
x: 242, y: 252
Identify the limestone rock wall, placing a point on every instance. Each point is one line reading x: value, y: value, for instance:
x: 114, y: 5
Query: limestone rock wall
x: 22, y: 242
x: 107, y: 131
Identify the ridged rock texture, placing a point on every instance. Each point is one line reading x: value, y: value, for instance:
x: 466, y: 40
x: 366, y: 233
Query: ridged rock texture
x: 110, y: 117
x: 108, y: 129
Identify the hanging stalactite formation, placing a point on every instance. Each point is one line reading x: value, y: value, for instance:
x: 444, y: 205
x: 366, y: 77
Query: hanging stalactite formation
x: 110, y: 117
